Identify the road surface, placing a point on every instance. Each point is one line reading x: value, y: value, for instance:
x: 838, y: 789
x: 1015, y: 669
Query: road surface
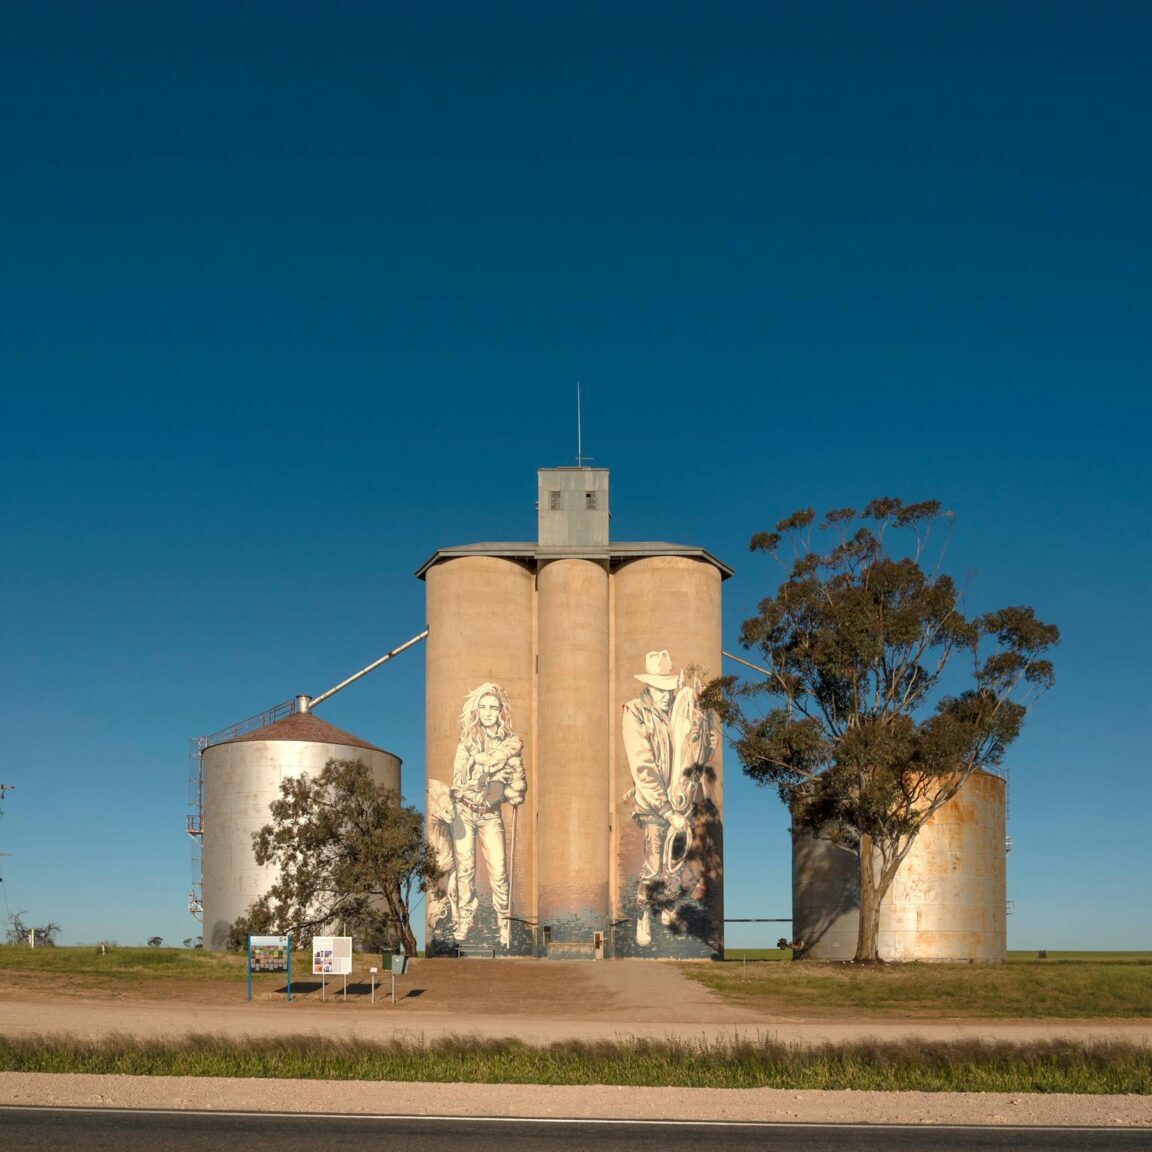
x: 48, y: 1130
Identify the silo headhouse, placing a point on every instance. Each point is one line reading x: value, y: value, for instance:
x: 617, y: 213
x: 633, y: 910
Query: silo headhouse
x: 575, y: 790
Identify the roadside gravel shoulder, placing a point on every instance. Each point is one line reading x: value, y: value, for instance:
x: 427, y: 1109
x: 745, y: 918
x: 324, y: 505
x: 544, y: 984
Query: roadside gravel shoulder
x: 402, y: 1099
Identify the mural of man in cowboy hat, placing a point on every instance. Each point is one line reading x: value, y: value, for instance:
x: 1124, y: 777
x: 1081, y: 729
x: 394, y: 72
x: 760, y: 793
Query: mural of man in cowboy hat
x: 668, y: 739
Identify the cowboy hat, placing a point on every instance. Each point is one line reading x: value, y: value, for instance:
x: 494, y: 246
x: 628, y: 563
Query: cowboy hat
x: 658, y: 671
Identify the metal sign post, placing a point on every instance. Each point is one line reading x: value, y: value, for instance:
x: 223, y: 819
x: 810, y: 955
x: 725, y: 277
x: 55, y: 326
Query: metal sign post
x: 372, y: 977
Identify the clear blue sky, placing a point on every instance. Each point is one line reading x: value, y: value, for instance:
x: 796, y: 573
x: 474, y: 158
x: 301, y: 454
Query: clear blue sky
x: 292, y: 295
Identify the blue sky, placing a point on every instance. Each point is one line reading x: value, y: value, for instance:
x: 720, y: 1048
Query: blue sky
x: 292, y: 295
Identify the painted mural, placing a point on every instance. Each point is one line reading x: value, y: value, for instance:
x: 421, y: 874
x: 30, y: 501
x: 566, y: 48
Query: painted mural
x: 466, y: 822
x: 669, y: 741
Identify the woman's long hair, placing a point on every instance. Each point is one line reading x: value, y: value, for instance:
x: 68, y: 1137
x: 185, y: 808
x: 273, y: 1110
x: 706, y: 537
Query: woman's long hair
x: 471, y: 730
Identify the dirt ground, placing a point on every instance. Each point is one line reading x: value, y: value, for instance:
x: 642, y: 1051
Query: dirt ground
x: 538, y: 1003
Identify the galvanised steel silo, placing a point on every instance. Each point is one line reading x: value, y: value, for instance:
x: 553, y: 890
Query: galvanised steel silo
x: 947, y: 902
x: 241, y: 778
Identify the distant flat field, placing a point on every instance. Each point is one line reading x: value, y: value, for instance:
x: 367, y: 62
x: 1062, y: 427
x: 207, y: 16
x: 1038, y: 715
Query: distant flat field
x: 1018, y: 956
x: 1015, y: 956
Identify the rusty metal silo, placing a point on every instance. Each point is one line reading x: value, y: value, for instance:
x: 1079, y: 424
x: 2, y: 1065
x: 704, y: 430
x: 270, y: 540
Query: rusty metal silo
x: 947, y: 902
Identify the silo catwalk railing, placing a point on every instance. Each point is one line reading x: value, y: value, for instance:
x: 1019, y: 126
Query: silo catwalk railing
x: 194, y: 821
x: 194, y: 824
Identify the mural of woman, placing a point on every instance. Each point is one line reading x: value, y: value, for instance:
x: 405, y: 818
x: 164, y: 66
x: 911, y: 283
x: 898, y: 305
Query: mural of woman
x: 487, y: 772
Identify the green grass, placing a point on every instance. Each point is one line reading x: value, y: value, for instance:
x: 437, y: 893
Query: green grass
x: 1072, y: 988
x: 969, y: 1066
x: 1020, y: 956
x: 124, y: 963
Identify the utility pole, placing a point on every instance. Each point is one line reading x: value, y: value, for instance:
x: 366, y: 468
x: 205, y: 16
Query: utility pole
x: 4, y: 788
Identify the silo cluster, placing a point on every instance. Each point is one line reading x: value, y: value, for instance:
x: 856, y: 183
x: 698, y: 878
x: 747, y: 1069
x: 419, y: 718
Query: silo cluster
x: 241, y: 778
x: 574, y: 785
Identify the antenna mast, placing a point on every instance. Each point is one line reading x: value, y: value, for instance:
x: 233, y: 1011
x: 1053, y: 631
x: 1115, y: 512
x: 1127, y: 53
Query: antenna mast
x: 579, y: 430
x: 580, y: 457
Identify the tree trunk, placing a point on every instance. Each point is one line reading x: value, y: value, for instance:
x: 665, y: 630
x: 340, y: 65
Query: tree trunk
x: 868, y: 935
x: 407, y: 938
x: 398, y: 907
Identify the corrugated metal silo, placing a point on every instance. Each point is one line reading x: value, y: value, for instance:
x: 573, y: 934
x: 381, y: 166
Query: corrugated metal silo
x: 947, y: 902
x: 241, y: 779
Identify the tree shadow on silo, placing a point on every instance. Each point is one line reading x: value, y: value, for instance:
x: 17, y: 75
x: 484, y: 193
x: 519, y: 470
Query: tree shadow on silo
x: 701, y: 915
x: 825, y: 897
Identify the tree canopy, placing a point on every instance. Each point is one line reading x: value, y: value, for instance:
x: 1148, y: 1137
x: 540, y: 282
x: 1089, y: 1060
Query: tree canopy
x: 348, y: 853
x: 860, y: 721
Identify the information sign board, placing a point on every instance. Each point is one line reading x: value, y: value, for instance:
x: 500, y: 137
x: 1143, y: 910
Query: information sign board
x: 331, y: 955
x: 269, y: 953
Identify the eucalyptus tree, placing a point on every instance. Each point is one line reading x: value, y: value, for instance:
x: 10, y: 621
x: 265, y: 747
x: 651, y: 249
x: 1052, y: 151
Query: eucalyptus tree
x: 879, y: 696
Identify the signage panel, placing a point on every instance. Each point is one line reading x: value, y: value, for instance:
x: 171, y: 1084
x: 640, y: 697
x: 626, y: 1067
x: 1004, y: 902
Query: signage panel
x: 331, y: 955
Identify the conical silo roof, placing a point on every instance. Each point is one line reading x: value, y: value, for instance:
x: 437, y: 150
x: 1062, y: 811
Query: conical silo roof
x: 305, y: 726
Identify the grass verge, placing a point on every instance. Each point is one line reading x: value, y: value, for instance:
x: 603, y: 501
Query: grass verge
x: 118, y: 963
x: 966, y: 1066
x: 1040, y: 988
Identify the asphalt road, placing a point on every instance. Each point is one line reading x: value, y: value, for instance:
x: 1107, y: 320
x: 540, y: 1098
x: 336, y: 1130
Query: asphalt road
x: 51, y: 1129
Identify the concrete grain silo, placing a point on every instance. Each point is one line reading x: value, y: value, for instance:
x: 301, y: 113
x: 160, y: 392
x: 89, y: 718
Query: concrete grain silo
x: 241, y: 778
x: 574, y: 788
x: 947, y: 901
